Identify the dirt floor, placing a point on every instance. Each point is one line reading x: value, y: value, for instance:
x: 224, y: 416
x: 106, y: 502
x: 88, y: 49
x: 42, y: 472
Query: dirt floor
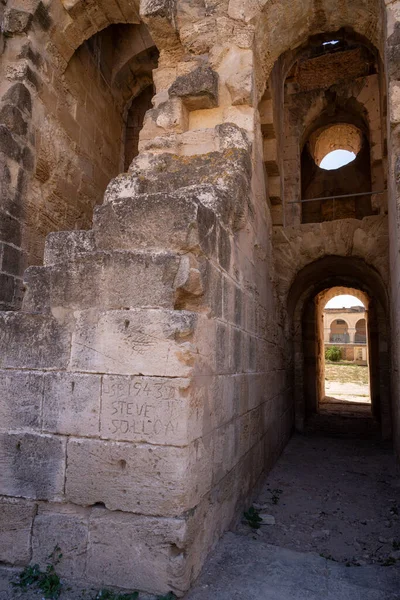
x: 339, y: 498
x: 332, y: 530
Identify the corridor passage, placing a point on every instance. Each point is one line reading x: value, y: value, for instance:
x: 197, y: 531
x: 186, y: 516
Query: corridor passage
x: 333, y: 507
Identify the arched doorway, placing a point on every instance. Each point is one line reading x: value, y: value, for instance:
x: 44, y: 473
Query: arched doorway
x: 310, y: 285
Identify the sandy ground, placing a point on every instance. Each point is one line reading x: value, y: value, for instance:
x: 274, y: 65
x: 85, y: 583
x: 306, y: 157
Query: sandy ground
x: 347, y: 382
x: 350, y: 392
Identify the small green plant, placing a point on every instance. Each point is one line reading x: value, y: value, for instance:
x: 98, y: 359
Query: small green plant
x: 395, y: 545
x: 333, y: 353
x: 169, y: 596
x: 394, y: 509
x: 47, y: 581
x: 389, y: 562
x: 110, y: 595
x: 253, y: 518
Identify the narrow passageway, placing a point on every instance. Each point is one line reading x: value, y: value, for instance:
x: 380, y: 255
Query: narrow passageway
x: 332, y: 506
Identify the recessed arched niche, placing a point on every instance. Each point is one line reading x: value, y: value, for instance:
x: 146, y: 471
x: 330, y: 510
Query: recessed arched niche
x: 324, y: 131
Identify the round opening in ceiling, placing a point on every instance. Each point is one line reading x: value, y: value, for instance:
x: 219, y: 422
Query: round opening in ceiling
x: 337, y: 159
x: 335, y: 146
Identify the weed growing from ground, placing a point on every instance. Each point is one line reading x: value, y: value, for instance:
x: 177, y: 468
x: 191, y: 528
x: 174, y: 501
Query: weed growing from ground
x: 48, y: 582
x: 253, y: 519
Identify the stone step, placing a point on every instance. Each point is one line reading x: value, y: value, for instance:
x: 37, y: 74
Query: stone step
x: 62, y: 246
x: 247, y: 569
x: 180, y: 222
x: 107, y: 281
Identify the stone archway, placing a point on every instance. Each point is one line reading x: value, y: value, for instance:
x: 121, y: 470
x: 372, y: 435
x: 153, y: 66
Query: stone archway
x: 326, y: 273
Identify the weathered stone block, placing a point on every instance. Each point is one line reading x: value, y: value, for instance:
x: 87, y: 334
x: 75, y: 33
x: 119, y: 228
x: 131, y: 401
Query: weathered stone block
x: 136, y: 552
x: 16, y: 21
x: 115, y: 280
x: 140, y: 478
x: 31, y: 465
x: 7, y: 288
x: 11, y: 116
x: 19, y: 95
x: 63, y: 246
x: 11, y: 260
x: 65, y: 529
x: 134, y: 342
x: 198, y: 89
x: 37, y: 290
x: 134, y: 223
x: 32, y: 342
x: 71, y: 404
x: 20, y: 399
x: 10, y: 229
x: 16, y: 517
x: 150, y: 409
x: 8, y: 144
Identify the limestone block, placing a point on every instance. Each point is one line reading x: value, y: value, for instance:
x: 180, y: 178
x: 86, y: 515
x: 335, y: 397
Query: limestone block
x: 71, y: 404
x: 146, y: 409
x: 31, y: 465
x: 244, y: 10
x: 394, y: 101
x: 62, y: 246
x: 115, y: 280
x: 169, y: 116
x: 140, y: 478
x: 37, y: 295
x: 12, y: 117
x: 19, y: 95
x: 225, y: 450
x: 16, y: 21
x: 136, y: 552
x: 20, y: 399
x: 134, y: 342
x: 134, y: 223
x: 33, y: 341
x: 16, y: 517
x: 198, y: 89
x: 240, y: 86
x: 67, y: 532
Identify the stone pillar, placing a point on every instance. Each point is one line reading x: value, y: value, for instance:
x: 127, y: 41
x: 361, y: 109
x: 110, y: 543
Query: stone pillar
x: 136, y: 375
